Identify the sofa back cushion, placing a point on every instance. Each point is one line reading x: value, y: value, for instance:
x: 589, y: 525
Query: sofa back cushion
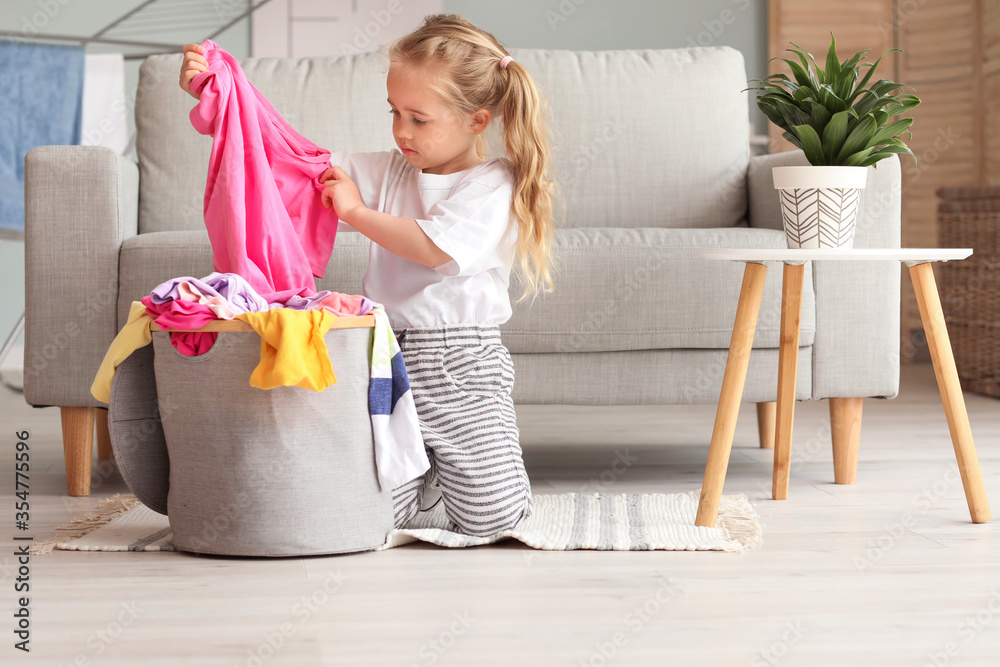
x: 653, y: 138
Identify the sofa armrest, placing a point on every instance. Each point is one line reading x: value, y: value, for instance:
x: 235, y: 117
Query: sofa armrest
x: 81, y: 202
x: 856, y: 350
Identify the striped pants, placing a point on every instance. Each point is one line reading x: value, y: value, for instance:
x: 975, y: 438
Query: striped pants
x: 461, y: 377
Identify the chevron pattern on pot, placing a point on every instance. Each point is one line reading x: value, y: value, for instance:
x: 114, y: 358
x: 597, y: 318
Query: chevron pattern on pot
x: 819, y: 217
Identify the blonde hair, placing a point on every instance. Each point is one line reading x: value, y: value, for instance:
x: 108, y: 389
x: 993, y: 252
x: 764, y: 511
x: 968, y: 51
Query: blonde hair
x: 468, y: 60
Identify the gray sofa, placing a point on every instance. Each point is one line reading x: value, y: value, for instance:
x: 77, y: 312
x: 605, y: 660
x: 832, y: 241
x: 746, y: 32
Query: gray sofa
x: 652, y: 162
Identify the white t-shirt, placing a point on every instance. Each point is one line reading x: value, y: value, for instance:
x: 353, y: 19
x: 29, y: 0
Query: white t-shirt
x: 466, y: 214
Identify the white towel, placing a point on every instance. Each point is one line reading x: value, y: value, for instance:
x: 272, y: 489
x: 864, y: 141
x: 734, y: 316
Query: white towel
x: 399, y: 446
x: 105, y: 120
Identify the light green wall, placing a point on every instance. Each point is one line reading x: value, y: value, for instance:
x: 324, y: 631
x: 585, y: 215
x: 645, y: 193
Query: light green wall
x: 553, y: 24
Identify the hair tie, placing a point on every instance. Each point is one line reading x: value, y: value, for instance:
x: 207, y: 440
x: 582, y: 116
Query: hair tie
x: 504, y: 61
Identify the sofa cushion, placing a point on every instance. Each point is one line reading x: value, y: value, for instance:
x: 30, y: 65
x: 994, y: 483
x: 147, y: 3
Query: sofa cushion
x: 647, y: 138
x: 646, y: 289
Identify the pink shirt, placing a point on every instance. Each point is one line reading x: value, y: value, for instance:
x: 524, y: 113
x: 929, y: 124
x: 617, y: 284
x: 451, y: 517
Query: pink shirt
x: 263, y: 210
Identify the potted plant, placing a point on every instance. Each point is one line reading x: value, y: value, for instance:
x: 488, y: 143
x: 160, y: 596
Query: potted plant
x: 843, y: 125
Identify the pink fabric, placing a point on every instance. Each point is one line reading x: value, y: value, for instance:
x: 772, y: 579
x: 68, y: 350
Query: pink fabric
x: 263, y: 209
x: 181, y: 314
x: 333, y: 302
x: 222, y: 308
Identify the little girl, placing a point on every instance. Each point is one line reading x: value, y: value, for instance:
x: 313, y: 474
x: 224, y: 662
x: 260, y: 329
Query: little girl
x: 446, y: 224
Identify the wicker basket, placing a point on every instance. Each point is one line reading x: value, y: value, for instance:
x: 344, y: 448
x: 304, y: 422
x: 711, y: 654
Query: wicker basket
x: 970, y: 289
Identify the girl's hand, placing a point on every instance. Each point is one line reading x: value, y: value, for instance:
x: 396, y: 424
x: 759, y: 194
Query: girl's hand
x: 193, y: 65
x: 340, y: 192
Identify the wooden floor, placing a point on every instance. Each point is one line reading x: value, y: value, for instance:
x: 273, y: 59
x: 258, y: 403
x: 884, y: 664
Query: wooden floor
x: 889, y: 571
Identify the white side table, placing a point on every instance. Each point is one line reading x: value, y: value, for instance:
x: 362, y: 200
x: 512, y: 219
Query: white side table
x: 845, y: 462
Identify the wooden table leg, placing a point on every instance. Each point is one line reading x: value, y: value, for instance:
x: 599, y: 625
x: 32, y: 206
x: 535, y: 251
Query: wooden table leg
x: 732, y: 393
x: 78, y: 448
x: 932, y: 317
x: 788, y: 368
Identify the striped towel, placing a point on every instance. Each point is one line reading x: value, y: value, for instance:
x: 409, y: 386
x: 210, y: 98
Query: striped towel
x: 399, y: 447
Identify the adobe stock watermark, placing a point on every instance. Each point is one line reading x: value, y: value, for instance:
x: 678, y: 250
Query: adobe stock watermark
x: 433, y: 649
x: 821, y: 439
x: 943, y: 141
x: 905, y: 9
x: 780, y: 647
x: 301, y: 611
x: 609, y: 476
x: 36, y: 22
x: 923, y: 502
x: 584, y: 157
x: 100, y: 641
x: 634, y: 621
x: 966, y: 630
x: 228, y: 9
x: 366, y: 34
x: 562, y: 12
x: 717, y: 25
x: 637, y: 279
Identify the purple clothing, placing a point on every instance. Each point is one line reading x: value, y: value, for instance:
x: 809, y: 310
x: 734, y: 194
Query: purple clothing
x: 228, y: 286
x: 237, y: 291
x: 334, y: 302
x: 167, y: 291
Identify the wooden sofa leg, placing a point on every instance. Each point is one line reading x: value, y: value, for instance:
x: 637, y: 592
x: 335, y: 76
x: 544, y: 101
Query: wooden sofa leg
x: 766, y: 414
x: 104, y: 450
x: 78, y: 448
x: 845, y: 427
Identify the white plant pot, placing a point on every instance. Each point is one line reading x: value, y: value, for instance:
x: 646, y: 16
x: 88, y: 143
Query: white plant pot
x: 819, y: 205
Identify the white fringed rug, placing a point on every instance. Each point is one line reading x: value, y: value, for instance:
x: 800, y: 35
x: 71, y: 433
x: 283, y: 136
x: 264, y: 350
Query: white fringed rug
x: 559, y: 522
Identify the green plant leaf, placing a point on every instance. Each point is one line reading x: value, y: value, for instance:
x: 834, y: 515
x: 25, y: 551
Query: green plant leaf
x: 770, y: 110
x: 857, y: 159
x: 832, y: 62
x: 792, y: 139
x: 834, y: 135
x: 858, y: 139
x: 831, y: 101
x: 890, y: 131
x: 883, y: 153
x: 852, y: 62
x: 792, y: 114
x: 868, y: 75
x: 803, y: 93
x: 845, y: 83
x: 885, y: 87
x: 820, y: 116
x: 815, y: 73
x: 800, y: 74
x: 810, y: 144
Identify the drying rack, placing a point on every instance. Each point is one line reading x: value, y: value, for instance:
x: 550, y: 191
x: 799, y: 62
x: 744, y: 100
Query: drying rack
x: 156, y: 17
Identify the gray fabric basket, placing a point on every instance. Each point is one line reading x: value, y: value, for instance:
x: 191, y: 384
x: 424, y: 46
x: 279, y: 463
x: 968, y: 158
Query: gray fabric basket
x: 252, y: 472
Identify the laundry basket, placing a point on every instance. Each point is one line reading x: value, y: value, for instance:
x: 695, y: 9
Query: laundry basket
x: 280, y: 472
x: 970, y: 289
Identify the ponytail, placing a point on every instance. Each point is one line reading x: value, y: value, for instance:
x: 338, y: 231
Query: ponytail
x: 527, y: 148
x: 474, y: 79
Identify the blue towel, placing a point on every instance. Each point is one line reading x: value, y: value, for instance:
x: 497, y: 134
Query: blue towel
x: 41, y: 104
